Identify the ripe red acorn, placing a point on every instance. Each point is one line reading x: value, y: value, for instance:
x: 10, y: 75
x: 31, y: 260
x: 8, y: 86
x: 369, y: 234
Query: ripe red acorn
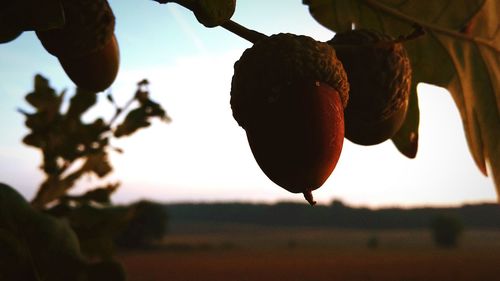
x: 288, y: 93
x: 298, y: 141
x: 86, y: 45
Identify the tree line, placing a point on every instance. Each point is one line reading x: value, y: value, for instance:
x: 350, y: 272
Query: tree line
x: 336, y: 215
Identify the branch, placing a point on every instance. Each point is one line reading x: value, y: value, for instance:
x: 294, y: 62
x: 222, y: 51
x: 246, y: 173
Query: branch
x: 248, y: 34
x: 243, y: 32
x: 54, y: 187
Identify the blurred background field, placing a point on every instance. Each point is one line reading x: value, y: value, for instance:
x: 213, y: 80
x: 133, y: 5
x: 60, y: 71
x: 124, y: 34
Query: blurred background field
x: 223, y: 249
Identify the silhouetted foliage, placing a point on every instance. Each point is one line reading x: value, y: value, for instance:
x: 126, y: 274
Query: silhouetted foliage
x: 64, y: 139
x: 53, y: 237
x: 147, y: 225
x: 446, y: 230
x: 336, y: 215
x: 373, y: 242
x: 36, y: 246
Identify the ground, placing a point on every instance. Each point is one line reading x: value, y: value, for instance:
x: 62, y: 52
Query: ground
x: 235, y: 252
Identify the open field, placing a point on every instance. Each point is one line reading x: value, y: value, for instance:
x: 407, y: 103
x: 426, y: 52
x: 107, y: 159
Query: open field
x: 256, y: 253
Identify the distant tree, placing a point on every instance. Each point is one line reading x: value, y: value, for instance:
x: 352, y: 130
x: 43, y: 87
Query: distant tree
x: 446, y: 230
x: 147, y: 225
x: 373, y: 242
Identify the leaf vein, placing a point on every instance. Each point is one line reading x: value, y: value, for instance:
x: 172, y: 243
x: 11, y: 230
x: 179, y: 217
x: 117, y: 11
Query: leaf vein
x: 411, y: 20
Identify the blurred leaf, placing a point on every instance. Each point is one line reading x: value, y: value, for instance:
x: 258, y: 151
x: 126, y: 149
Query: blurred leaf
x: 40, y: 247
x: 54, y: 187
x: 97, y: 228
x: 462, y: 39
x: 50, y: 244
x: 35, y: 140
x: 101, y: 194
x: 142, y: 96
x: 98, y: 163
x: 140, y: 117
x: 143, y: 82
x: 135, y: 120
x: 81, y: 102
x: 44, y: 98
x: 147, y: 225
x: 97, y: 195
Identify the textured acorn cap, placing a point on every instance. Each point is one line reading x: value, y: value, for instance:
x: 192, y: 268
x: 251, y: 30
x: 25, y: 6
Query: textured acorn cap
x: 379, y: 74
x: 271, y: 65
x: 89, y: 26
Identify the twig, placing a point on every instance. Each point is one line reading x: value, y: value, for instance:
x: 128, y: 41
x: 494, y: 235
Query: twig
x: 248, y: 34
x: 119, y: 111
x: 243, y: 32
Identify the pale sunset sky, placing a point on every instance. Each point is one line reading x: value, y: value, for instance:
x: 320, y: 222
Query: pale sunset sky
x: 203, y: 155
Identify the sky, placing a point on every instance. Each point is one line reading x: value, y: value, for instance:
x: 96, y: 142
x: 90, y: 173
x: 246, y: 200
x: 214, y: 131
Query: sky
x: 203, y: 155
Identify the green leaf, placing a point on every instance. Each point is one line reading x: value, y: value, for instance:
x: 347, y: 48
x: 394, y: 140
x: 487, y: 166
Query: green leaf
x: 462, y: 39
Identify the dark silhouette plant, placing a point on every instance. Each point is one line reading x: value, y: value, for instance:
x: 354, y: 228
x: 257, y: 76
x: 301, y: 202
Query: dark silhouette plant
x: 71, y: 148
x: 147, y: 226
x: 65, y: 140
x: 446, y: 231
x: 463, y: 39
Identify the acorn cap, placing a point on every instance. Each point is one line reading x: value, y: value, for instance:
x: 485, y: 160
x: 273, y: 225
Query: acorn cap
x: 89, y: 26
x: 379, y: 74
x: 270, y: 66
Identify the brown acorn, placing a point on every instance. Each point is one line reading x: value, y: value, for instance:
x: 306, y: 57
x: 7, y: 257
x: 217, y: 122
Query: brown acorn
x: 86, y: 45
x: 288, y: 93
x: 379, y: 73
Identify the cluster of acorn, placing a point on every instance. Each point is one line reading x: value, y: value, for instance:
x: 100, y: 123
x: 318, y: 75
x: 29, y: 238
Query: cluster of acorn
x: 296, y: 97
x: 84, y: 43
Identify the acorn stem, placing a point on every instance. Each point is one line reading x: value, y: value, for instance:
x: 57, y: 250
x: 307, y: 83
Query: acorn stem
x: 236, y: 28
x: 245, y: 33
x: 309, y: 198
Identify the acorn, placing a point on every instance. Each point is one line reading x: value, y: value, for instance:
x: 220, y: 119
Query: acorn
x: 8, y: 35
x: 289, y: 92
x: 86, y: 45
x: 379, y: 74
